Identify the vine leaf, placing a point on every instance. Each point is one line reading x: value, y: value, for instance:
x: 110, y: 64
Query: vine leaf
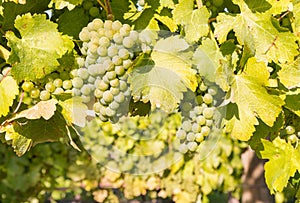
x: 253, y: 100
x: 8, y: 91
x: 258, y: 33
x: 207, y: 57
x: 19, y: 143
x: 289, y: 75
x: 36, y: 54
x: 70, y: 4
x: 283, y: 163
x: 195, y: 22
x: 164, y: 83
x: 74, y: 111
x: 45, y: 109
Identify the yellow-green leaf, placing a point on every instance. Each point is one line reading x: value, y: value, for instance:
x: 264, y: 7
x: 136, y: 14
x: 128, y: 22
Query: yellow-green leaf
x: 8, y: 91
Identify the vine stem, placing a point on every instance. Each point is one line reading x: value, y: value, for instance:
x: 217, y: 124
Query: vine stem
x: 280, y: 18
x: 199, y: 3
x: 102, y: 5
x: 110, y: 15
x: 20, y: 102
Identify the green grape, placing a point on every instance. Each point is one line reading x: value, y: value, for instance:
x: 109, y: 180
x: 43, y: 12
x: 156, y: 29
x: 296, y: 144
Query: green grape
x: 120, y: 98
x: 207, y: 99
x: 76, y: 92
x: 116, y: 25
x: 98, y: 93
x: 114, y: 82
x: 103, y: 86
x: 290, y: 130
x: 109, y: 112
x: 199, y: 137
x: 84, y: 35
x: 212, y: 90
x: 124, y: 53
x: 128, y: 42
x: 59, y: 90
x: 190, y: 136
x: 34, y: 93
x: 83, y: 73
x: 45, y: 95
x: 98, y: 23
x: 102, y: 51
x: 293, y: 138
x: 117, y: 60
x: 203, y: 87
x: 67, y: 84
x: 196, y: 127
x: 112, y: 51
x: 111, y: 75
x: 187, y: 126
x: 58, y: 82
x: 205, y: 130
x: 192, y: 146
x: 209, y: 123
x: 108, y: 96
x: 77, y: 82
x: 87, y: 4
x: 183, y: 148
x: 118, y: 38
x: 119, y: 70
x: 74, y: 73
x: 114, y: 105
x: 85, y: 90
x: 208, y: 113
x: 108, y: 25
x: 97, y: 107
x: 85, y: 99
x: 123, y: 85
x: 27, y: 86
x: 217, y: 3
x: 181, y: 134
x: 94, y: 12
x: 104, y: 42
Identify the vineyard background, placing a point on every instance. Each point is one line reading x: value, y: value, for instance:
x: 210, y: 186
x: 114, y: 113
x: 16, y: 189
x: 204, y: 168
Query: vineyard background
x: 149, y: 101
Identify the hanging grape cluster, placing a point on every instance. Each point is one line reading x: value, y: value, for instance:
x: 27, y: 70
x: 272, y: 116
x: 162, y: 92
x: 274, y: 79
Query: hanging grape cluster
x: 56, y: 83
x: 291, y: 131
x: 108, y: 48
x: 198, y: 112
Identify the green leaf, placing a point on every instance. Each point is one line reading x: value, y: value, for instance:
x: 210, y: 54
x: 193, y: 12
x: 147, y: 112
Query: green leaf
x: 19, y: 143
x: 74, y: 111
x: 4, y: 53
x: 36, y: 53
x: 253, y: 100
x: 167, y: 3
x: 207, y: 58
x: 41, y: 130
x: 8, y: 91
x: 292, y: 102
x: 164, y: 83
x: 258, y: 5
x: 289, y: 74
x: 119, y: 8
x: 166, y: 20
x: 283, y: 163
x: 195, y: 22
x: 258, y: 32
x: 45, y: 109
x: 71, y: 23
x: 11, y: 10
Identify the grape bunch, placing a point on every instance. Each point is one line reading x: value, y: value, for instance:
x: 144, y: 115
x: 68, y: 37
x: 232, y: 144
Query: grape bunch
x: 53, y: 84
x: 198, y: 117
x: 108, y: 49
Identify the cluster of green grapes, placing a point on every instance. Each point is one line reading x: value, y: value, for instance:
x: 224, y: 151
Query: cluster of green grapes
x: 53, y: 84
x: 108, y: 48
x: 92, y: 7
x: 134, y: 144
x: 198, y: 111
